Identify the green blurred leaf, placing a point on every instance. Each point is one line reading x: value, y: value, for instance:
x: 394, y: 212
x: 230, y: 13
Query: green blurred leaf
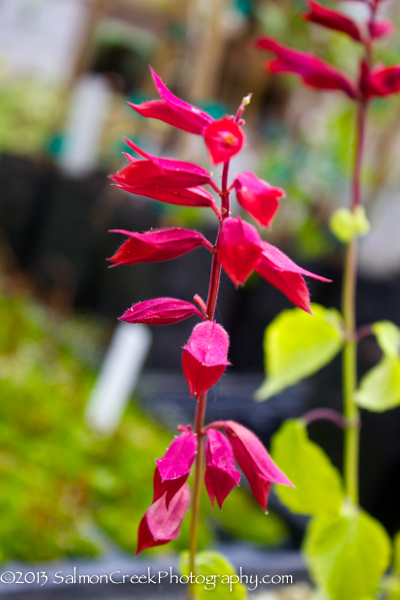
x: 318, y: 484
x: 347, y: 555
x: 346, y: 224
x: 396, y: 555
x: 297, y: 345
x: 380, y: 388
x: 218, y: 576
x: 388, y: 337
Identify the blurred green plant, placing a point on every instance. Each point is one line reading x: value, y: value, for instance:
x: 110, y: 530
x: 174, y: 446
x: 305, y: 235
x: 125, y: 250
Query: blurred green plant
x: 64, y: 490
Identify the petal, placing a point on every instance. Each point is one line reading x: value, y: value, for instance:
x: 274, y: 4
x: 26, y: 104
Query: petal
x: 224, y: 139
x: 239, y: 248
x: 204, y: 357
x: 384, y: 81
x: 167, y: 488
x: 333, y: 20
x: 195, y: 196
x: 160, y: 311
x: 221, y: 475
x: 379, y: 29
x: 311, y: 69
x: 257, y: 197
x: 161, y: 525
x: 179, y: 457
x: 157, y: 245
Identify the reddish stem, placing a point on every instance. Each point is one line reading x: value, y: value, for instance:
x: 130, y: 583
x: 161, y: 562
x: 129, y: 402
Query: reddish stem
x: 326, y: 414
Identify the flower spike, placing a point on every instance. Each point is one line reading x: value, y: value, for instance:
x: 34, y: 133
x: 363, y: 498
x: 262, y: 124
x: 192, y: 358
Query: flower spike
x: 161, y: 525
x: 221, y: 475
x: 204, y: 357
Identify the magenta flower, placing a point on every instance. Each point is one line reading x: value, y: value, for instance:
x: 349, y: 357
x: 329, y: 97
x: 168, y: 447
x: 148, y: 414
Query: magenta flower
x: 279, y: 270
x: 258, y: 197
x: 383, y: 81
x: 204, y: 357
x: 380, y: 29
x: 164, y: 172
x: 333, y: 20
x: 224, y: 139
x: 314, y: 72
x: 195, y: 196
x: 156, y: 245
x: 172, y: 110
x: 160, y: 524
x: 173, y: 468
x: 160, y: 311
x: 239, y: 247
x: 221, y: 475
x: 254, y: 460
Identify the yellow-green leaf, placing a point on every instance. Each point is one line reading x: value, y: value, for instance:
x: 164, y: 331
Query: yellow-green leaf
x: 346, y: 224
x: 380, y: 388
x: 388, y: 337
x: 297, y: 345
x: 318, y: 483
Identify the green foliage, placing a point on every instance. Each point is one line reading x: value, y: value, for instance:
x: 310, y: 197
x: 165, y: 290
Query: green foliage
x: 347, y: 554
x: 216, y: 570
x: 297, y: 345
x: 379, y: 389
x: 318, y: 484
x: 346, y: 224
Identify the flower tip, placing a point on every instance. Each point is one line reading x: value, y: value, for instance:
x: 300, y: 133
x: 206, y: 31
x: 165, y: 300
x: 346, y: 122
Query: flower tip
x: 247, y: 99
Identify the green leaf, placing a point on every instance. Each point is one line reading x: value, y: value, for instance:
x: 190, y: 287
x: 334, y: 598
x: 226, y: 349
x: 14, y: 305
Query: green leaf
x: 380, y: 388
x: 318, y: 484
x: 347, y: 555
x: 388, y: 337
x: 297, y: 345
x: 346, y: 224
x: 396, y: 555
x: 215, y: 575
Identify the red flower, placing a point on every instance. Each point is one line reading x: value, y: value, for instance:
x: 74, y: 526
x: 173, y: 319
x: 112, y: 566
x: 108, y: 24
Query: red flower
x: 160, y: 524
x: 279, y: 270
x: 195, y: 196
x: 332, y: 19
x: 224, y: 139
x: 221, y: 474
x: 239, y: 248
x: 156, y: 245
x: 258, y: 197
x: 379, y: 29
x: 173, y: 110
x: 160, y: 311
x: 383, y: 81
x: 254, y: 460
x: 174, y: 467
x: 204, y: 357
x: 311, y: 69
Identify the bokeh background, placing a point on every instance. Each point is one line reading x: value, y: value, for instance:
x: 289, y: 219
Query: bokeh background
x: 67, y: 70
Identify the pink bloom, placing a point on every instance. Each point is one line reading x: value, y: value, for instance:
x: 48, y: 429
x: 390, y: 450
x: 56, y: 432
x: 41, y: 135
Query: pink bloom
x: 311, y: 69
x: 258, y: 197
x: 173, y: 110
x: 379, y: 29
x: 224, y: 139
x: 174, y: 467
x: 195, y: 196
x: 383, y: 81
x: 204, y: 357
x: 221, y: 475
x: 164, y: 172
x: 160, y: 311
x: 254, y: 460
x: 279, y: 270
x: 156, y: 245
x: 332, y: 19
x: 239, y: 248
x: 160, y: 524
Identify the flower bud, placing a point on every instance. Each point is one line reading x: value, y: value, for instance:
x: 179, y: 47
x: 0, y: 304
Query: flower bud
x: 221, y: 475
x: 239, y: 248
x: 160, y: 311
x: 204, y: 357
x: 258, y: 197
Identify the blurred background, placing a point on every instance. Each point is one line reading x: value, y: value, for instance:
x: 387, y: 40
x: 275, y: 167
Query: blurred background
x: 67, y: 70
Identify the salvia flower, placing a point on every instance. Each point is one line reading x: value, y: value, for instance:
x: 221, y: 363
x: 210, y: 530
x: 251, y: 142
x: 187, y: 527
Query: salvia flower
x: 194, y: 196
x: 254, y: 460
x: 174, y: 467
x: 157, y: 245
x: 380, y: 29
x: 259, y: 198
x: 224, y: 139
x: 383, y: 81
x: 239, y: 247
x: 314, y: 71
x: 204, y: 356
x: 221, y: 475
x: 160, y: 524
x: 160, y: 311
x: 279, y: 270
x: 333, y: 20
x: 172, y: 110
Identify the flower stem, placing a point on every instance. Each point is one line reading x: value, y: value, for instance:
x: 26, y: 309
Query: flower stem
x: 202, y: 400
x: 351, y: 413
